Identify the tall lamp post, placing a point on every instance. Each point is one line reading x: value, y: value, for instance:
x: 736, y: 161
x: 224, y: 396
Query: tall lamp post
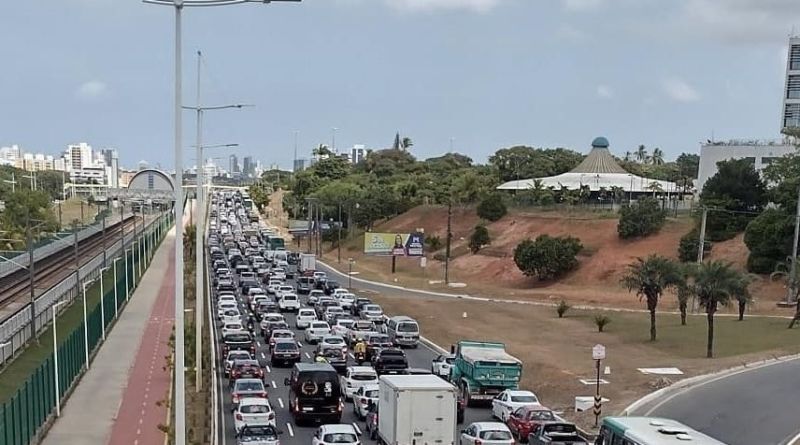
x: 116, y: 285
x: 86, y: 325
x: 180, y: 395
x: 54, y: 307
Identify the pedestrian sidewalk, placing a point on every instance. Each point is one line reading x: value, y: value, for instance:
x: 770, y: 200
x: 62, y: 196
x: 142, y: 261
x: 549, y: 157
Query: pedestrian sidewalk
x: 123, y: 370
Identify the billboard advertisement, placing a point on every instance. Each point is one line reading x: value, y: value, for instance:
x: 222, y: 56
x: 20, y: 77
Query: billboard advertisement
x: 396, y: 244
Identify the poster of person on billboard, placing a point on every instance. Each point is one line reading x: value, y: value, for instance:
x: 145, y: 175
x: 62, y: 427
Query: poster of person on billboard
x: 395, y: 244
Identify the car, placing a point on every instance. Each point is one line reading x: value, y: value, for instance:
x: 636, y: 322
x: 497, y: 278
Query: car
x: 332, y: 313
x: 342, y: 327
x: 566, y: 433
x: 231, y: 316
x: 271, y: 317
x: 360, y: 329
x: 323, y: 304
x: 510, y: 400
x: 258, y: 435
x: 289, y: 302
x: 522, y: 421
x: 243, y: 388
x: 280, y: 334
x: 266, y: 307
x: 316, y: 330
x: 285, y: 352
x: 336, y: 434
x: 304, y: 317
x: 376, y: 342
x: 229, y: 328
x: 355, y: 377
x: 232, y: 355
x: 486, y: 433
x: 332, y: 342
x: 226, y: 306
x: 314, y: 296
x: 441, y: 365
x: 346, y: 301
x: 363, y: 397
x: 273, y: 286
x: 246, y: 369
x: 334, y: 357
x: 274, y: 326
x: 242, y: 341
x: 372, y: 312
x: 371, y: 421
x: 358, y: 305
x: 304, y: 285
x: 253, y: 411
x: 330, y: 286
x: 390, y: 361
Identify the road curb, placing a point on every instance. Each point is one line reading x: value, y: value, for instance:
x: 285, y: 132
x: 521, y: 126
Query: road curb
x: 704, y: 379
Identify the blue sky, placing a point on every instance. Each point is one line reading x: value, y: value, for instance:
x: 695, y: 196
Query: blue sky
x: 488, y: 73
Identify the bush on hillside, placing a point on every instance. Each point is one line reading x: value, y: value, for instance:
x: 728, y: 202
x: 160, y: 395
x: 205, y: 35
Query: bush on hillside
x: 479, y: 238
x: 548, y: 257
x: 687, y: 249
x: 642, y: 218
x: 492, y: 208
x: 434, y: 243
x: 769, y: 239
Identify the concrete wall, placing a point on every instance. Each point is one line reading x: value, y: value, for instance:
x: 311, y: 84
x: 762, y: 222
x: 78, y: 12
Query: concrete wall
x: 711, y: 154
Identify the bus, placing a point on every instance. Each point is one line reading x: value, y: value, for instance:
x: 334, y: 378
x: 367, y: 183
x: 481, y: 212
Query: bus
x: 276, y: 243
x: 649, y: 431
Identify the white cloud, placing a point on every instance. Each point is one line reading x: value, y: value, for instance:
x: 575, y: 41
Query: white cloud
x: 605, y: 92
x: 480, y: 6
x: 740, y: 21
x: 680, y: 91
x: 582, y: 5
x: 93, y: 89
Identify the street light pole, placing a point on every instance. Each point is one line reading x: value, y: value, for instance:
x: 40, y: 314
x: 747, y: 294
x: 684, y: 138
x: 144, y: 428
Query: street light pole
x: 85, y: 326
x: 116, y: 285
x: 102, y: 304
x: 54, y: 307
x: 339, y: 237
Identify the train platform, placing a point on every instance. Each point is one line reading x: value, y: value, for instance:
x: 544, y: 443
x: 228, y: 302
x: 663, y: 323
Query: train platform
x: 117, y: 400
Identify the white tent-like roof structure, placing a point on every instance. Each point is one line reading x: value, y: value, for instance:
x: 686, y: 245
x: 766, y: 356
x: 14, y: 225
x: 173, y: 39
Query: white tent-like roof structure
x: 599, y: 170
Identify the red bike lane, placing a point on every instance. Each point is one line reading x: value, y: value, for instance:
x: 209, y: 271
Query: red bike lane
x: 145, y: 400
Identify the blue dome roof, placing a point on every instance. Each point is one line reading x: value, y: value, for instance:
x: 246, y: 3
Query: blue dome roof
x: 600, y: 142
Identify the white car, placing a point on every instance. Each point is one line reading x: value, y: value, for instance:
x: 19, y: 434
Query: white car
x: 510, y: 400
x: 228, y: 328
x: 226, y: 298
x: 319, y: 275
x: 273, y: 287
x: 253, y: 411
x: 442, y: 364
x: 372, y: 312
x: 235, y: 355
x: 270, y: 318
x: 337, y: 434
x: 284, y: 289
x: 226, y: 306
x: 486, y: 433
x: 362, y: 398
x: 355, y: 377
x: 342, y: 327
x: 304, y: 318
x: 289, y: 302
x: 256, y: 301
x: 346, y: 301
x: 231, y: 316
x: 316, y: 330
x: 331, y: 312
x: 339, y: 291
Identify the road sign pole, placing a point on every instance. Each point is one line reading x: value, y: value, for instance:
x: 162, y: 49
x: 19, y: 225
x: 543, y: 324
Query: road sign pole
x: 598, y: 354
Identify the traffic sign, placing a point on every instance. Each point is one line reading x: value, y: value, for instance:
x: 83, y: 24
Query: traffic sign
x: 599, y: 352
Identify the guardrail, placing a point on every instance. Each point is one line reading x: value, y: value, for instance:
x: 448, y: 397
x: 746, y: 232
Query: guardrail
x: 21, y: 261
x: 15, y: 331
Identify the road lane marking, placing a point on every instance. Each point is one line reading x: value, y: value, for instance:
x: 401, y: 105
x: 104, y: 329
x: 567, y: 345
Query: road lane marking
x: 280, y: 402
x: 264, y: 357
x: 258, y: 343
x: 352, y: 356
x: 274, y: 386
x: 307, y: 355
x: 268, y: 370
x: 289, y: 427
x: 299, y: 344
x: 358, y: 430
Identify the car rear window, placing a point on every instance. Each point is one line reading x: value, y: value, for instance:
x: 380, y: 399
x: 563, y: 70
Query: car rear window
x: 495, y: 435
x: 319, y: 325
x: 249, y: 385
x: 524, y: 399
x: 372, y: 393
x: 364, y: 377
x: 340, y: 438
x: 255, y: 409
x: 285, y: 346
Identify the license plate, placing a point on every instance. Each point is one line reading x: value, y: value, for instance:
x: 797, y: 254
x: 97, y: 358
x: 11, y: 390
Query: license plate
x: 308, y: 409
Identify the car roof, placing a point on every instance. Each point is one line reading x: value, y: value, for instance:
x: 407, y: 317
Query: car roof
x: 361, y: 369
x: 249, y: 381
x: 519, y: 392
x: 491, y: 426
x: 283, y: 331
x: 314, y: 367
x: 254, y: 401
x: 338, y: 428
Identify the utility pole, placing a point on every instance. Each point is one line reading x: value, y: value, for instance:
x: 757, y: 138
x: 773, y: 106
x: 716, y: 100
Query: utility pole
x: 198, y: 254
x: 447, y: 242
x: 82, y: 218
x: 308, y: 232
x: 77, y: 256
x: 339, y: 237
x: 105, y: 259
x: 702, y: 239
x: 294, y: 164
x: 793, y: 272
x: 31, y: 273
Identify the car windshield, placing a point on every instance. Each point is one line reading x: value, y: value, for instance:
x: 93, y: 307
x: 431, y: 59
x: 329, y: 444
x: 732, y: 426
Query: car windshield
x: 254, y: 409
x: 407, y: 327
x: 346, y: 323
x: 231, y: 313
x: 525, y: 399
x: 282, y: 334
x: 340, y: 438
x: 239, y: 355
x: 289, y: 297
x: 333, y: 340
x: 306, y: 313
x: 450, y: 360
x: 233, y: 326
x: 364, y: 377
x: 372, y: 307
x: 560, y: 428
x: 372, y: 393
x: 495, y: 435
x: 541, y: 415
x: 238, y: 337
x: 319, y: 325
x: 249, y: 385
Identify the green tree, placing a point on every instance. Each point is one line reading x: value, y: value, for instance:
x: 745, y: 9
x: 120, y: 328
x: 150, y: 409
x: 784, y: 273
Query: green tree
x: 332, y: 168
x: 734, y: 189
x: 769, y: 239
x: 650, y: 277
x: 548, y: 257
x: 657, y: 158
x: 492, y: 208
x: 434, y: 242
x: 25, y: 205
x: 716, y: 284
x: 522, y: 162
x: 689, y: 244
x: 641, y: 154
x: 688, y: 166
x: 479, y: 238
x: 642, y: 218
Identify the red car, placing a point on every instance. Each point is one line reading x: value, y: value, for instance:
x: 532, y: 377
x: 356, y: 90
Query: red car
x: 524, y: 419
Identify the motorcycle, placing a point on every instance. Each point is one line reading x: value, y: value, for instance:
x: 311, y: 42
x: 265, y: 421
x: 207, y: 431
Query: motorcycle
x: 360, y: 358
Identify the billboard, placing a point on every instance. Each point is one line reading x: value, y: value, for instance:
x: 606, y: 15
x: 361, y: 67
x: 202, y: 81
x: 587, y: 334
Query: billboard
x: 396, y: 244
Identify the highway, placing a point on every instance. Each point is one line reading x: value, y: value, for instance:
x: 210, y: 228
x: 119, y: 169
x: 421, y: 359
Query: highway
x: 277, y: 393
x: 754, y: 407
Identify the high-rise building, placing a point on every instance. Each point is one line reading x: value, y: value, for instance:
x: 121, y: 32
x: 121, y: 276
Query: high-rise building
x: 78, y: 156
x: 234, y: 167
x: 111, y: 160
x: 299, y: 165
x: 248, y: 167
x: 791, y: 97
x: 358, y: 153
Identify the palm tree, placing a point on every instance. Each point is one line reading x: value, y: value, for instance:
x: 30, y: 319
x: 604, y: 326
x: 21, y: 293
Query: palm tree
x: 650, y: 277
x: 715, y: 284
x: 641, y: 154
x: 657, y: 158
x: 407, y: 143
x: 321, y: 151
x: 627, y: 157
x: 784, y: 269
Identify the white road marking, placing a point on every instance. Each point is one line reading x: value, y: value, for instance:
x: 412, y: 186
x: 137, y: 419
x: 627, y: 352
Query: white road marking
x: 307, y: 355
x: 795, y: 440
x: 352, y: 356
x: 264, y: 357
x: 358, y: 430
x: 274, y: 386
x: 280, y: 402
x: 299, y: 344
x: 289, y: 427
x: 258, y: 343
x: 268, y: 370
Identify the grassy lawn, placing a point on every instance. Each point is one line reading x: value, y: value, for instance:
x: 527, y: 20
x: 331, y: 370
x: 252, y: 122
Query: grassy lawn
x: 71, y: 209
x: 731, y: 337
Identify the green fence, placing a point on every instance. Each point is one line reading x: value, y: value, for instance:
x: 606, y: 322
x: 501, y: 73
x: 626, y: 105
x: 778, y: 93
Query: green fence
x: 24, y: 414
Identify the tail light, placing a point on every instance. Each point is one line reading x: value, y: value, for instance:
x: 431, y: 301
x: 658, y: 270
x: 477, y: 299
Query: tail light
x: 263, y: 394
x: 363, y: 401
x: 478, y: 442
x: 271, y: 416
x: 238, y: 416
x: 235, y: 399
x: 340, y: 407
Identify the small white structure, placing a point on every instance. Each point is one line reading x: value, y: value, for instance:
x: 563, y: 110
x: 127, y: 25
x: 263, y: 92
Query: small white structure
x: 761, y: 153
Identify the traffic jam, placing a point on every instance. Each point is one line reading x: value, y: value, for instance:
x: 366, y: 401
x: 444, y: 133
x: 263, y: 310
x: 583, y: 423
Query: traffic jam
x: 304, y: 360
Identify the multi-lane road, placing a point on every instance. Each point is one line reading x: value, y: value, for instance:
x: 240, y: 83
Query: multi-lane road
x: 420, y: 357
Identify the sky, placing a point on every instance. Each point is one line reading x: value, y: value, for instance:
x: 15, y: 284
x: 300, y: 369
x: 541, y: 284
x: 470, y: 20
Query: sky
x: 487, y: 74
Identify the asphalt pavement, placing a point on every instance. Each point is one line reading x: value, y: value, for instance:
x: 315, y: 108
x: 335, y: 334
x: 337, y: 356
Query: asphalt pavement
x: 419, y: 357
x: 753, y: 407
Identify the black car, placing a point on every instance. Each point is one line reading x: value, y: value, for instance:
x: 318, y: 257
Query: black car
x: 319, y: 283
x: 315, y: 393
x: 358, y: 305
x: 376, y: 342
x: 285, y: 352
x: 390, y: 361
x: 271, y: 326
x: 257, y: 434
x: 330, y: 286
x: 267, y: 306
x: 241, y: 341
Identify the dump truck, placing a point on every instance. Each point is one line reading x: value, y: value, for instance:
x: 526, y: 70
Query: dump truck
x: 482, y: 370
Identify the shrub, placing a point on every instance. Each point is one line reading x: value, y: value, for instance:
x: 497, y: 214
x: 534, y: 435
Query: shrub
x: 433, y: 242
x: 769, y: 238
x: 601, y: 321
x: 548, y: 257
x: 479, y: 238
x: 492, y: 208
x: 760, y: 264
x: 642, y: 218
x: 562, y: 308
x: 687, y: 249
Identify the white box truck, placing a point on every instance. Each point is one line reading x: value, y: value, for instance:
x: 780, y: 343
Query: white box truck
x: 416, y: 410
x: 307, y: 262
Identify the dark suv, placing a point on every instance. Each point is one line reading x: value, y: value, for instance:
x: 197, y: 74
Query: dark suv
x: 390, y: 361
x: 330, y: 286
x: 285, y: 352
x: 241, y: 341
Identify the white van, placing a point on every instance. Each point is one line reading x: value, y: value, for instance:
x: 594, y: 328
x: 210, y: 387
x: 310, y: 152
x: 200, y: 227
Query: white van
x: 403, y: 331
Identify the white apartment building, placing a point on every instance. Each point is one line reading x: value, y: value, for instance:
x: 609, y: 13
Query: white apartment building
x: 791, y: 97
x: 760, y: 153
x: 358, y: 153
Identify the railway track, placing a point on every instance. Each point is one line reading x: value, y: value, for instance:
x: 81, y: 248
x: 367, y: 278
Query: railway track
x: 53, y: 269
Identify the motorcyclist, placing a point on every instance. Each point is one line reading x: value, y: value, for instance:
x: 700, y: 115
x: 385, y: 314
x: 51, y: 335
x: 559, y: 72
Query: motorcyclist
x: 360, y: 350
x: 320, y: 359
